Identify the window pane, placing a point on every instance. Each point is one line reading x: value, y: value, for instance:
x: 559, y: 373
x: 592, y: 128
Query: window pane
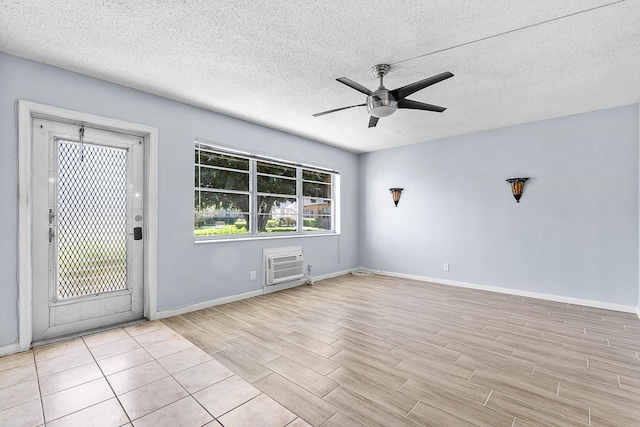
x: 276, y: 214
x: 319, y: 223
x: 221, y: 213
x: 271, y: 185
x: 308, y: 175
x: 221, y: 202
x: 223, y: 179
x: 211, y: 224
x: 316, y: 189
x: 222, y: 160
x: 317, y: 215
x: 275, y: 169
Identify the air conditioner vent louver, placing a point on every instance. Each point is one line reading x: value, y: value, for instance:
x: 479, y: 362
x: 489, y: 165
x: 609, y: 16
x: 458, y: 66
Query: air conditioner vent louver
x: 285, y: 258
x: 283, y: 265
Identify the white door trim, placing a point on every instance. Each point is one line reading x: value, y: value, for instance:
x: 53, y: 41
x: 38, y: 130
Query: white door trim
x: 27, y: 111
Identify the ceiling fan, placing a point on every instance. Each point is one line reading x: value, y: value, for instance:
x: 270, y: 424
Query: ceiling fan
x: 384, y: 102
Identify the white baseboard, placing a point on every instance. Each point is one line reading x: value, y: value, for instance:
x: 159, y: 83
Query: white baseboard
x: 207, y: 304
x: 331, y: 275
x: 245, y: 295
x: 10, y: 349
x: 537, y: 295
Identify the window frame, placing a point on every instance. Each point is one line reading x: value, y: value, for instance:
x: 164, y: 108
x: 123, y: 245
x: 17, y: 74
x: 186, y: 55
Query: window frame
x: 254, y: 195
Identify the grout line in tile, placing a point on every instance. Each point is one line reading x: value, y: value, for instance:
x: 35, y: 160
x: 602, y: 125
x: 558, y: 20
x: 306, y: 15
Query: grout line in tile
x: 413, y: 407
x: 109, y: 384
x: 328, y: 373
x: 405, y: 383
x: 488, y: 396
x: 327, y: 420
x: 35, y: 366
x: 244, y: 403
x: 198, y: 402
x: 474, y: 371
x: 388, y: 352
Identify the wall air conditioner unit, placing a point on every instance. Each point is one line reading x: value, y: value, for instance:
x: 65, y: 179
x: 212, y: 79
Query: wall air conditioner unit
x: 283, y: 265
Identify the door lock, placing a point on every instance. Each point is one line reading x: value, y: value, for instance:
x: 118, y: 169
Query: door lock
x: 137, y: 233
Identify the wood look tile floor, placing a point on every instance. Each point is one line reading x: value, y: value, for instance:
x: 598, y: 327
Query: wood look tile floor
x: 349, y: 351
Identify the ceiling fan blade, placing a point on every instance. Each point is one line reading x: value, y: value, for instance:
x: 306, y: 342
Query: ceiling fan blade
x: 415, y: 105
x: 407, y: 90
x: 373, y: 121
x: 337, y: 109
x: 354, y: 85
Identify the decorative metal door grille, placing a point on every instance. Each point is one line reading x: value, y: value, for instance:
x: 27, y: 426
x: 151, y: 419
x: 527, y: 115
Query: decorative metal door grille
x: 91, y: 220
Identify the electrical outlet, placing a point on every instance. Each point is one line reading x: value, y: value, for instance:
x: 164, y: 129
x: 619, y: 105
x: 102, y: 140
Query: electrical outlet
x: 252, y: 275
x: 446, y: 266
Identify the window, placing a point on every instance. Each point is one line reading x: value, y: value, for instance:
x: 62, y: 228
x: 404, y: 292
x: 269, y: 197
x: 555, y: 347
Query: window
x: 248, y: 195
x: 316, y: 193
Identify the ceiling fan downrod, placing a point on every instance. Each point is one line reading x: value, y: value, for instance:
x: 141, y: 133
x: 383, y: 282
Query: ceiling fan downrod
x: 380, y: 71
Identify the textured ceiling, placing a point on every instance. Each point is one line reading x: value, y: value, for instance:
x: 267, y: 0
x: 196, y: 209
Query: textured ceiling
x: 275, y: 62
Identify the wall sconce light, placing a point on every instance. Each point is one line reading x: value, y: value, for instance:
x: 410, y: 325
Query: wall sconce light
x: 395, y: 193
x: 517, y: 185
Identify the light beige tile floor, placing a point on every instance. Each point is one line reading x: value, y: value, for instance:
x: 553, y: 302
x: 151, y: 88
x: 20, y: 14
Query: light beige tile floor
x: 144, y: 375
x: 349, y: 351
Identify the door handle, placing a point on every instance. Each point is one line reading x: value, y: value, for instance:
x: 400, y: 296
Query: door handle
x: 137, y: 233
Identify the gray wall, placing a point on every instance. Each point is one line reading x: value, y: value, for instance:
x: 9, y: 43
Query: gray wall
x: 574, y: 234
x: 187, y: 273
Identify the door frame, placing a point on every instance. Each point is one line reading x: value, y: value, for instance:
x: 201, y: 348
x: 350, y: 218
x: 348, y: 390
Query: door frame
x: 27, y: 111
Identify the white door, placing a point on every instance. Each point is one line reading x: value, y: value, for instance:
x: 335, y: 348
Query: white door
x: 87, y: 228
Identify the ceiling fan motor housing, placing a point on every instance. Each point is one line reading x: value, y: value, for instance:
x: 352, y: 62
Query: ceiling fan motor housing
x: 381, y: 103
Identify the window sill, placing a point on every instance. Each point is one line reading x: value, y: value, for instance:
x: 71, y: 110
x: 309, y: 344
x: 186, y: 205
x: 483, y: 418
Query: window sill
x: 258, y: 238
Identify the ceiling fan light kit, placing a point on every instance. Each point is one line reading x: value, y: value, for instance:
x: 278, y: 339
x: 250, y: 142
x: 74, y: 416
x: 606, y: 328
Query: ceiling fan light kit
x: 383, y: 102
